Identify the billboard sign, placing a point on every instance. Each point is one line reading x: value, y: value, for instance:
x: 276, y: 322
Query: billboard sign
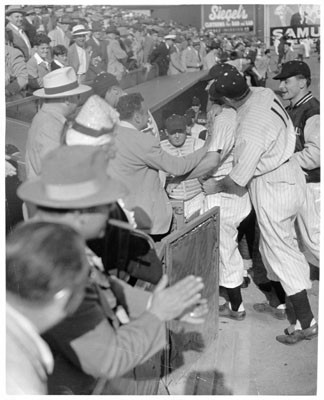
x: 228, y: 18
x: 295, y: 20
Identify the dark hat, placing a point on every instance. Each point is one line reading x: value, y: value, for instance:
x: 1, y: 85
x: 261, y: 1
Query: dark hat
x: 65, y: 19
x: 293, y: 68
x: 103, y: 82
x: 228, y: 82
x: 212, y: 73
x: 29, y: 10
x: 15, y: 9
x: 175, y: 123
x: 96, y: 26
x: 112, y: 29
x: 67, y: 168
x: 195, y: 101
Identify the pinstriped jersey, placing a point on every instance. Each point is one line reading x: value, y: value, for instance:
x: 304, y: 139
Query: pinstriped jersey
x: 265, y: 136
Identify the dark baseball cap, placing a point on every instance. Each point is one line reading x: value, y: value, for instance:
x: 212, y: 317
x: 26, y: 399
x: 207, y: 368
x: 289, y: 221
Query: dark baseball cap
x: 293, y: 68
x: 228, y: 82
x: 175, y: 123
x: 103, y: 82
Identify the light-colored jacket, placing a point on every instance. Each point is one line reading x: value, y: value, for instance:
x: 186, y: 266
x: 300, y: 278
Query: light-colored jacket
x: 137, y: 163
x: 115, y: 53
x: 58, y: 36
x: 28, y: 358
x: 73, y: 57
x: 175, y: 66
x: 191, y: 59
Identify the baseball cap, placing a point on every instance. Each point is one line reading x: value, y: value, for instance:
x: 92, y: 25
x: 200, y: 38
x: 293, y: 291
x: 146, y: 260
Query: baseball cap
x: 293, y: 68
x: 228, y: 82
x: 103, y: 82
x: 175, y: 123
x: 195, y: 101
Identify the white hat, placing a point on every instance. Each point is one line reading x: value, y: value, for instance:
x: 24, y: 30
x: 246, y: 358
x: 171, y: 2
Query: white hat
x: 171, y: 37
x: 80, y: 30
x: 94, y: 123
x: 61, y: 83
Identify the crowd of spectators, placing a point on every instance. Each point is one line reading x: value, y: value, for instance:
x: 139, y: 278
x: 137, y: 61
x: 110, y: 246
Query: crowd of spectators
x: 96, y: 39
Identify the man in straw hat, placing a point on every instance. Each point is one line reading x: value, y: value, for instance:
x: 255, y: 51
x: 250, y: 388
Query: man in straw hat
x: 116, y: 327
x: 15, y: 17
x: 79, y: 54
x: 265, y: 142
x: 61, y: 95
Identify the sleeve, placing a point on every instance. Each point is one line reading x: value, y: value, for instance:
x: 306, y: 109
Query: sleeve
x: 222, y: 138
x: 19, y: 68
x: 156, y: 157
x: 246, y: 158
x: 309, y: 157
x: 118, y: 51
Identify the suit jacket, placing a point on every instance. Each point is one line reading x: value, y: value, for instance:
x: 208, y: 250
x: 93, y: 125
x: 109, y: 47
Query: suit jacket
x: 90, y: 344
x: 19, y: 42
x: 116, y: 57
x: 191, y: 59
x: 138, y: 161
x: 26, y: 369
x: 101, y: 49
x: 175, y: 65
x: 73, y: 57
x: 57, y: 36
x: 30, y: 31
x: 161, y: 56
x: 36, y: 73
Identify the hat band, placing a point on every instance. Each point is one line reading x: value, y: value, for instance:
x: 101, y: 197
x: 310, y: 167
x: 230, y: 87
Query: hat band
x: 61, y: 89
x: 73, y: 191
x: 89, y: 131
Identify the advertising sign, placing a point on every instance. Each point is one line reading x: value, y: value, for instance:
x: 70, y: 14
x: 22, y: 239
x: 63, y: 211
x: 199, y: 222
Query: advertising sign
x: 297, y: 21
x: 228, y: 18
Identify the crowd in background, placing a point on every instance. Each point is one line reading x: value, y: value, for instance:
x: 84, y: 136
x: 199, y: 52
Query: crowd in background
x: 96, y: 39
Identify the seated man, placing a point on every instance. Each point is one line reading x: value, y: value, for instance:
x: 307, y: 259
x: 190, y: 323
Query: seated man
x: 117, y: 327
x: 179, y: 144
x: 194, y: 129
x: 43, y: 286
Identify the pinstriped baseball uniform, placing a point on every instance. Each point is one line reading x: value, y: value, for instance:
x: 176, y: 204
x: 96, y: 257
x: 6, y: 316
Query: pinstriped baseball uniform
x: 234, y: 207
x: 265, y: 141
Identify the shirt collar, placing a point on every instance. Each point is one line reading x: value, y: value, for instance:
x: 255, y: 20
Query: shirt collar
x: 127, y: 124
x: 39, y: 59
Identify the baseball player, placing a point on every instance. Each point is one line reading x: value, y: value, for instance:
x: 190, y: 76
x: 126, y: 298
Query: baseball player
x: 304, y: 110
x: 234, y: 206
x: 265, y: 141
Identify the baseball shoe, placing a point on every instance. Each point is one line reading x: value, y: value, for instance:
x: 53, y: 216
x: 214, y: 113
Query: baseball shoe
x: 298, y: 335
x: 225, y: 311
x: 266, y: 308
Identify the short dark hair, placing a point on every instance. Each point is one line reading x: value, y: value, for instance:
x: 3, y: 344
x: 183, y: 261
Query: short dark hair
x: 59, y: 50
x: 128, y: 105
x: 41, y: 38
x: 43, y: 258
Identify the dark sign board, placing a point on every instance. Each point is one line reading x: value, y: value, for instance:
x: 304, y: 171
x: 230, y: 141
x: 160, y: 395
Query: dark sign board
x: 228, y: 17
x: 296, y: 32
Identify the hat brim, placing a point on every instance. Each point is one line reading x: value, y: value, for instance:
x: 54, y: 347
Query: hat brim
x: 85, y: 32
x: 79, y: 90
x: 15, y: 11
x: 110, y: 191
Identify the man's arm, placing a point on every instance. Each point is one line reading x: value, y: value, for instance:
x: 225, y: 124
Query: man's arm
x: 310, y: 156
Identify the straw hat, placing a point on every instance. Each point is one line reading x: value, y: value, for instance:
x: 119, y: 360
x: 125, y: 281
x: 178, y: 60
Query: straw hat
x: 73, y: 177
x: 94, y: 123
x: 15, y: 9
x: 80, y: 30
x: 61, y: 83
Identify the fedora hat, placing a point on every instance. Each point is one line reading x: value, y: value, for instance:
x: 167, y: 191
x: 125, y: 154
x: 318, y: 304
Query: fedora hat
x: 61, y: 83
x: 73, y: 177
x: 80, y: 30
x: 94, y: 123
x: 15, y: 9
